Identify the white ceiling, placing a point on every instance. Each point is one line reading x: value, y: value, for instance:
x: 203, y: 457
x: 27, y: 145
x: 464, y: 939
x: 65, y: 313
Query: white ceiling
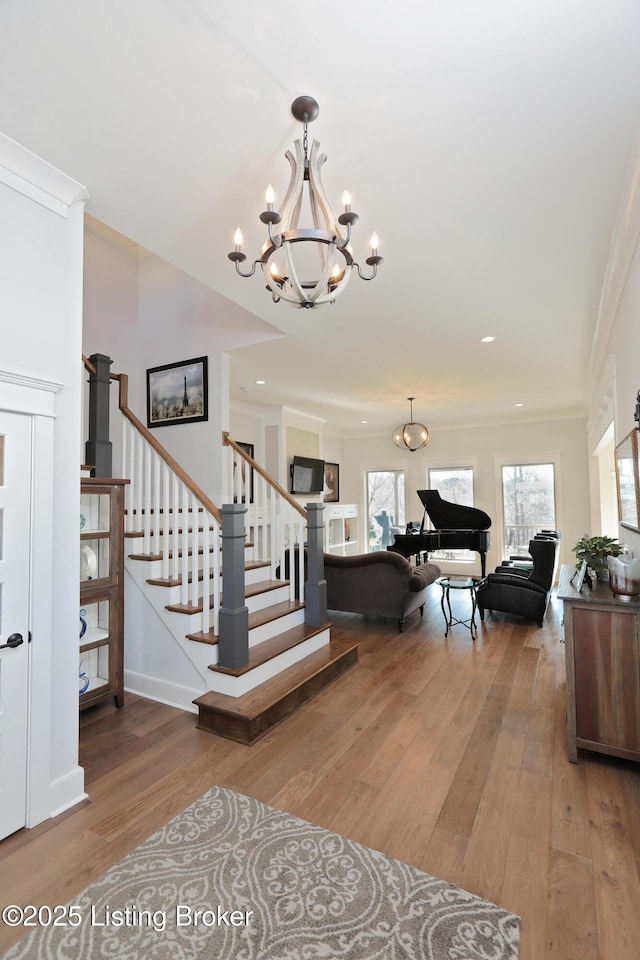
x: 486, y: 141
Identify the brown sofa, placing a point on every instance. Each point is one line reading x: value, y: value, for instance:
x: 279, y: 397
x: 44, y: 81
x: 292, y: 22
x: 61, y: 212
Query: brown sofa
x: 382, y: 584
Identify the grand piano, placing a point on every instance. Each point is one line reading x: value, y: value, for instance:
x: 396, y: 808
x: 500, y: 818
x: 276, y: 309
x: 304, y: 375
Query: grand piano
x: 456, y: 528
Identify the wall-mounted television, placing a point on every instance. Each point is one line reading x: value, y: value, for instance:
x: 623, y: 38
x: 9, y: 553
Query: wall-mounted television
x: 307, y: 475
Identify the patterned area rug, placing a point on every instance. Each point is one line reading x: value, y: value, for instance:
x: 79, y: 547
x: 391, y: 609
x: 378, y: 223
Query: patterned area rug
x: 233, y: 879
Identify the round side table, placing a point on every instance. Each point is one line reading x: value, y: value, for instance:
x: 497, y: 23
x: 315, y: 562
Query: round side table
x: 459, y: 583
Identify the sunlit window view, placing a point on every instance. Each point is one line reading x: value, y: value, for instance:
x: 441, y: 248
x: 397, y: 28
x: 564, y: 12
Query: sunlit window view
x: 454, y: 484
x: 385, y: 497
x: 528, y: 504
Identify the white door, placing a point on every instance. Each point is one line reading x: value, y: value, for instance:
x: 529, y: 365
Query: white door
x: 15, y: 535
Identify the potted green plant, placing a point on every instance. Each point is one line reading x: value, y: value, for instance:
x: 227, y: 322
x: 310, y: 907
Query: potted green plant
x: 595, y: 551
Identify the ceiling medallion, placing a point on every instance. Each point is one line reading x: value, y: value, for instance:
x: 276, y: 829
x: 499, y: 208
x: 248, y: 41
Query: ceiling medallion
x: 411, y: 436
x: 329, y: 238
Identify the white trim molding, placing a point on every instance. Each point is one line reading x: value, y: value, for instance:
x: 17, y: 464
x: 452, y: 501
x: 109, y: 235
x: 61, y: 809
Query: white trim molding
x: 21, y: 393
x: 36, y: 179
x: 602, y: 415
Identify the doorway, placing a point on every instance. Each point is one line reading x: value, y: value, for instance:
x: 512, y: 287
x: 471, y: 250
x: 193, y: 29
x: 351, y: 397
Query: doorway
x: 15, y: 538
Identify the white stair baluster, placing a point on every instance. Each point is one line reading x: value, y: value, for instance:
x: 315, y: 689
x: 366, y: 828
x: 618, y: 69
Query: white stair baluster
x: 175, y: 535
x: 157, y: 504
x: 146, y: 506
x: 123, y: 463
x: 137, y: 507
x: 195, y: 552
x: 184, y: 522
x: 217, y: 579
x: 166, y: 521
x: 301, y: 571
x: 273, y: 533
x: 207, y: 520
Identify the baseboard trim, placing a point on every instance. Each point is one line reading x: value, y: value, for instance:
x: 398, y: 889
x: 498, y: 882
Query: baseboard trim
x: 171, y: 694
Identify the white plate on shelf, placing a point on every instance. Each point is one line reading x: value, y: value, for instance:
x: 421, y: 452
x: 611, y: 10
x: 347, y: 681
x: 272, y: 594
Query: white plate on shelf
x: 88, y: 562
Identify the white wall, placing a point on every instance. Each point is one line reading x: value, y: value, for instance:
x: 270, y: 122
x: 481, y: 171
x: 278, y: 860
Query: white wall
x: 143, y: 312
x: 41, y: 211
x: 486, y: 449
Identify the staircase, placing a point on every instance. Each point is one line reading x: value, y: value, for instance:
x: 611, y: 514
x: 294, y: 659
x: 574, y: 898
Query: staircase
x: 175, y: 543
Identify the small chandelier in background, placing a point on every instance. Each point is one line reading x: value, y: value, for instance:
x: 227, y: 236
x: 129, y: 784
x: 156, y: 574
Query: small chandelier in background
x: 330, y: 234
x: 411, y: 436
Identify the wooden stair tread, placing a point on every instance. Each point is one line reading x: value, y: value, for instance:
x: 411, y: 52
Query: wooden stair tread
x: 257, y: 618
x: 171, y: 532
x: 168, y: 582
x: 251, y: 590
x: 142, y: 512
x: 158, y: 556
x: 247, y: 718
x: 263, y: 652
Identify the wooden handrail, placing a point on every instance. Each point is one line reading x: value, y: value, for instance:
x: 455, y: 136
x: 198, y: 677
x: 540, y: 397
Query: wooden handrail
x: 160, y: 450
x: 89, y: 367
x: 227, y: 441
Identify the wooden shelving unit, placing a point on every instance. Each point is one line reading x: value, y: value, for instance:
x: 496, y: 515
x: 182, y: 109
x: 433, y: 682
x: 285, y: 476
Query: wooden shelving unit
x: 101, y: 653
x: 341, y: 529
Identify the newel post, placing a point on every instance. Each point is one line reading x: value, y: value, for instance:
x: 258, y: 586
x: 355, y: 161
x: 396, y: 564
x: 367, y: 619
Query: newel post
x: 233, y: 639
x: 98, y: 446
x: 315, y: 591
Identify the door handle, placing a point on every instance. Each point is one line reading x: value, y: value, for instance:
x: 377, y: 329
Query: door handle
x: 13, y: 641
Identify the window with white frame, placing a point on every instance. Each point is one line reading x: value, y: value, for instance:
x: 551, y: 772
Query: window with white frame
x: 385, y: 498
x: 528, y: 504
x: 454, y: 484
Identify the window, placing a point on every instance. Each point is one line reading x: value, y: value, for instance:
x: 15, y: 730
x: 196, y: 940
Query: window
x: 454, y: 484
x: 385, y: 497
x: 528, y: 504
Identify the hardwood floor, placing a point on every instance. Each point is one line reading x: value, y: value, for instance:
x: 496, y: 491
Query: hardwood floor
x: 446, y: 754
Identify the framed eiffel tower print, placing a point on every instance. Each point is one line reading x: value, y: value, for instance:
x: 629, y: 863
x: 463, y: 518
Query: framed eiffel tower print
x: 177, y: 393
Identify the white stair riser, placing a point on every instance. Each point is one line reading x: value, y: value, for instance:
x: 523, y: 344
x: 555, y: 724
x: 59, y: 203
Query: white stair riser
x: 267, y: 599
x: 238, y: 686
x: 271, y: 629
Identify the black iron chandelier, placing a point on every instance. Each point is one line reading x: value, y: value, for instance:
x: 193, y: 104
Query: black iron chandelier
x: 411, y: 436
x: 329, y: 239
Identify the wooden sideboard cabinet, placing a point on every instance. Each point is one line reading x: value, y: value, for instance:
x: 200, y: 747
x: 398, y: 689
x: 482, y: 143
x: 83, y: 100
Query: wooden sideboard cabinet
x: 101, y: 591
x: 602, y: 635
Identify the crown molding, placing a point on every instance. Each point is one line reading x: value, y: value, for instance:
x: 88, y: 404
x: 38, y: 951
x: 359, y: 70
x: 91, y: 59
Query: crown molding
x: 37, y: 180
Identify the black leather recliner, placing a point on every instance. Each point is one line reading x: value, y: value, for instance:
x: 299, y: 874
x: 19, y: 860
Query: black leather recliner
x: 522, y: 592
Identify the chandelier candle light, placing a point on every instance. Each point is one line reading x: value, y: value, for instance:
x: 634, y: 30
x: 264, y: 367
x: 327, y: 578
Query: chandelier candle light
x: 411, y: 436
x: 330, y: 234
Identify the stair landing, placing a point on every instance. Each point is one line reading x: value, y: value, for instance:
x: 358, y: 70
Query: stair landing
x: 248, y: 718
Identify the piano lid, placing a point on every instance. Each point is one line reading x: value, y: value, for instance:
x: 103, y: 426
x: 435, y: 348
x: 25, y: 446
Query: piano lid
x: 445, y: 515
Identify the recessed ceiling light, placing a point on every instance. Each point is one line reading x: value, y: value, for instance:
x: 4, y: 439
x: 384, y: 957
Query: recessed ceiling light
x: 519, y: 404
x: 261, y: 382
x: 364, y: 421
x: 487, y: 339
